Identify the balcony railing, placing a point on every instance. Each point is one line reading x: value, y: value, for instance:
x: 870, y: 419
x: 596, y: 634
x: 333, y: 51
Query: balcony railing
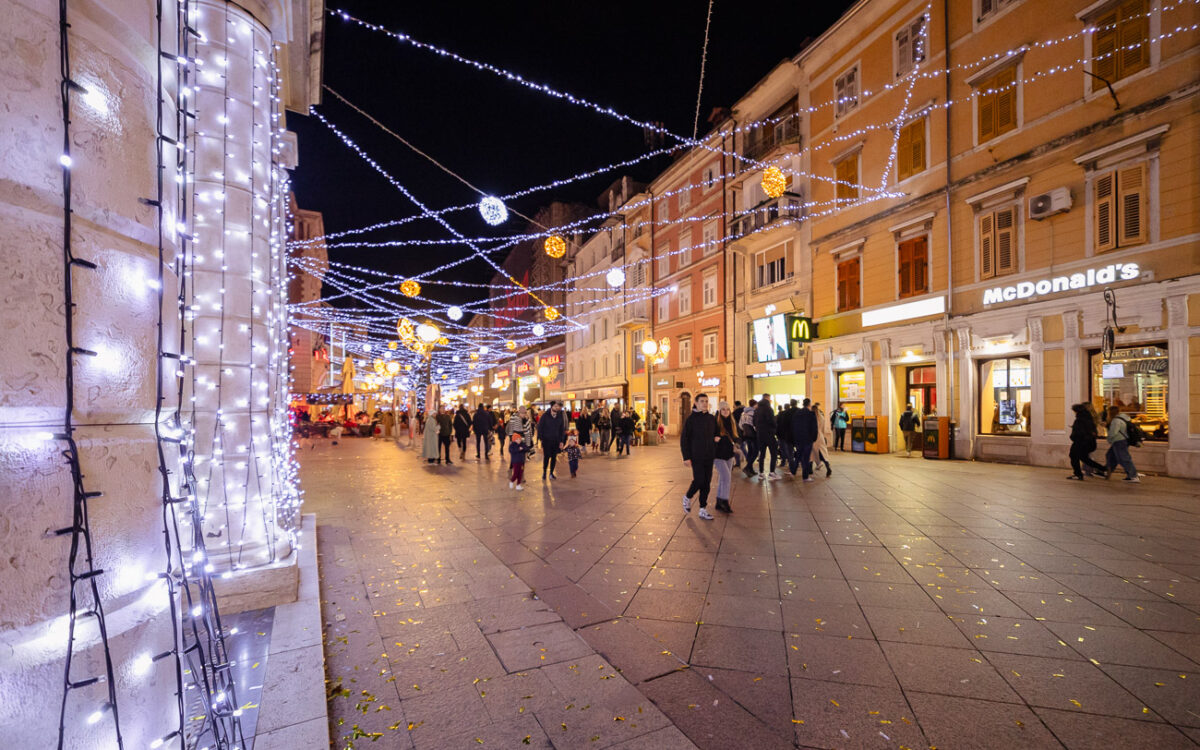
x: 767, y: 138
x: 765, y: 214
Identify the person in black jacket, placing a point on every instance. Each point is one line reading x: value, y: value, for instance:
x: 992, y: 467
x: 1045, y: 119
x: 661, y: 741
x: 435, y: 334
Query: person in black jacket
x: 698, y: 443
x: 764, y: 428
x: 625, y: 428
x: 783, y: 431
x: 1083, y: 442
x: 552, y: 434
x: 804, y: 430
x: 483, y: 423
x: 462, y: 430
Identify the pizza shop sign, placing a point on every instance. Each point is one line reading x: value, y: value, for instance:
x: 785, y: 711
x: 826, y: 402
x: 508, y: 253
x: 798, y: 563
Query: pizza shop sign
x: 1081, y: 280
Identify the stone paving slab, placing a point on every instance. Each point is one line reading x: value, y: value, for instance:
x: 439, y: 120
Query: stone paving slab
x: 901, y: 602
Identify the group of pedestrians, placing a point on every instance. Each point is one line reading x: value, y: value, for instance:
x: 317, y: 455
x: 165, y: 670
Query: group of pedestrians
x: 1120, y: 433
x: 795, y: 439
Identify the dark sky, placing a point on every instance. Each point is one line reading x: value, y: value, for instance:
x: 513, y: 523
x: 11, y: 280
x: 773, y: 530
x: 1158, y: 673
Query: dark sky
x: 641, y: 58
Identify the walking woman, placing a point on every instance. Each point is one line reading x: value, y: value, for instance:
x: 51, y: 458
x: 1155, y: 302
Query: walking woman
x: 723, y: 462
x: 820, y: 449
x: 839, y: 419
x: 1083, y: 442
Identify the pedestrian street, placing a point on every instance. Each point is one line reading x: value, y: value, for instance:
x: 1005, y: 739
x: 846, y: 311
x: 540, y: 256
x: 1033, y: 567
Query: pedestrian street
x: 899, y: 603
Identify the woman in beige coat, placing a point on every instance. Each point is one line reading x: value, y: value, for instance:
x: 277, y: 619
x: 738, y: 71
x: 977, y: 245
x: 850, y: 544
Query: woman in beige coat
x: 820, y: 449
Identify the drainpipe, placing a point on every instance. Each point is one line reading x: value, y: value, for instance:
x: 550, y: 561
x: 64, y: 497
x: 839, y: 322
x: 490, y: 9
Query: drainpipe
x: 652, y: 302
x: 949, y: 336
x: 730, y: 305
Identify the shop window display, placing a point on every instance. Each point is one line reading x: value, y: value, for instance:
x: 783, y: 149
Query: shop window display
x: 852, y: 392
x: 1134, y: 380
x: 1005, y: 394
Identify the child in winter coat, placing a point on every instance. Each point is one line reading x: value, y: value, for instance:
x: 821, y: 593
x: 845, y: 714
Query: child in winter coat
x: 574, y: 453
x: 516, y: 451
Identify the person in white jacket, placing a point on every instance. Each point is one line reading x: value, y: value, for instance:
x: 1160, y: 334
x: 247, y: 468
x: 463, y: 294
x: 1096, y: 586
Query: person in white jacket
x: 820, y: 449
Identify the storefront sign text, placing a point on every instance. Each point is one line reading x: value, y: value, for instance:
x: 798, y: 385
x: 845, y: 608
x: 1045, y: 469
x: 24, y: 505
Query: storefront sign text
x: 553, y: 359
x: 524, y: 367
x: 1092, y: 277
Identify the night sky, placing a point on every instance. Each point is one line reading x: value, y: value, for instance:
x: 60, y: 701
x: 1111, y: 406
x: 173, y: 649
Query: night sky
x: 642, y: 59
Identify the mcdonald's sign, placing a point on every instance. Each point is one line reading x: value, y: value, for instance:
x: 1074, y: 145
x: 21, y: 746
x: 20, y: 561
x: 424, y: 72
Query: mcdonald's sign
x: 801, y: 330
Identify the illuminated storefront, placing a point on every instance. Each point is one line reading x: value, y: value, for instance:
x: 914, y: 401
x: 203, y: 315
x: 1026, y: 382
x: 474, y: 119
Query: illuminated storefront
x: 777, y: 351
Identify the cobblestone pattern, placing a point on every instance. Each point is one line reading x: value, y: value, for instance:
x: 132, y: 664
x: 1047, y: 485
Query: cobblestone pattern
x: 900, y: 603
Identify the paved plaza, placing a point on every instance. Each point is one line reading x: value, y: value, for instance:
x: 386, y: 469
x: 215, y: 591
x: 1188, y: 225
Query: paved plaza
x: 900, y: 603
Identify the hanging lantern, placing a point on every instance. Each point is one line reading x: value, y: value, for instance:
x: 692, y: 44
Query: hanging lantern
x: 774, y: 182
x: 555, y: 246
x: 410, y: 288
x: 551, y: 313
x: 493, y: 210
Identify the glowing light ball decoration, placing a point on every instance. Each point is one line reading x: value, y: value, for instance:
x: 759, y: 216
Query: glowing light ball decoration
x: 393, y: 345
x: 392, y: 368
x: 543, y: 372
x: 454, y: 313
x: 615, y: 277
x: 539, y: 330
x: 551, y: 313
x: 410, y: 288
x: 428, y: 333
x: 774, y: 182
x: 443, y: 341
x: 555, y: 246
x: 510, y: 345
x: 493, y: 211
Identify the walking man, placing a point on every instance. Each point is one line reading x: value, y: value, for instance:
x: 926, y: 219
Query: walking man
x: 483, y: 423
x: 749, y: 441
x: 908, y: 425
x: 764, y: 428
x: 784, y: 432
x: 698, y: 443
x: 804, y: 428
x: 552, y: 434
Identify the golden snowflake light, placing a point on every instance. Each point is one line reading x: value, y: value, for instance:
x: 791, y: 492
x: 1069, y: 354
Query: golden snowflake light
x: 774, y: 182
x: 555, y: 246
x: 551, y: 313
x: 410, y: 288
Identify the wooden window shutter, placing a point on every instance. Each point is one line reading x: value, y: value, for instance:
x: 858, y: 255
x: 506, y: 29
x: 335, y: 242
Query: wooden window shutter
x: 1133, y: 37
x: 846, y: 173
x: 920, y: 259
x: 1006, y: 100
x: 987, y: 116
x: 1106, y: 214
x: 1131, y: 202
x: 904, y: 167
x: 1006, y: 241
x: 917, y: 138
x: 987, y: 246
x: 1104, y: 47
x: 906, y: 269
x: 903, y: 52
x: 855, y: 284
x: 841, y: 287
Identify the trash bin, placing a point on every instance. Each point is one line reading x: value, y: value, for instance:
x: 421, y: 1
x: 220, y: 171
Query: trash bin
x: 938, y: 438
x: 858, y: 439
x: 875, y: 439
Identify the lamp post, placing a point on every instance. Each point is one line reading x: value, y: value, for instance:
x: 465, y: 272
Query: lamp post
x: 428, y: 333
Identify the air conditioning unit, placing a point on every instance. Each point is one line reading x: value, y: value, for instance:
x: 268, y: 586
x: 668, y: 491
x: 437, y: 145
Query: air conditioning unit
x: 1056, y: 201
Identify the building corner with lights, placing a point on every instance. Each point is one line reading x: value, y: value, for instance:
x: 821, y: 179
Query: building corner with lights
x: 218, y: 216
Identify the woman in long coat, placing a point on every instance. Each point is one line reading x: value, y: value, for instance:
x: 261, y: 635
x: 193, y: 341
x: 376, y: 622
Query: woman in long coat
x: 429, y: 446
x: 820, y: 449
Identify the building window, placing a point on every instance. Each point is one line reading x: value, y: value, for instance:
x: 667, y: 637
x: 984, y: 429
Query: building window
x: 664, y: 261
x: 685, y: 247
x: 710, y: 346
x: 617, y: 362
x: 664, y: 307
x: 998, y: 242
x: 849, y: 282
x: 1121, y: 41
x: 988, y: 8
x: 845, y: 172
x: 605, y: 366
x: 709, y: 298
x: 1135, y: 381
x: 710, y: 177
x: 1120, y: 200
x: 1005, y: 394
x: 770, y: 266
x: 913, y: 263
x: 604, y: 324
x: 685, y: 199
x: 685, y: 299
x: 910, y: 46
x: 685, y: 351
x: 710, y: 237
x: 845, y: 92
x: 996, y: 104
x: 910, y: 149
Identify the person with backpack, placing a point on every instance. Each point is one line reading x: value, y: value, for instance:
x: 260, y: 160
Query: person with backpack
x: 462, y: 430
x: 838, y: 421
x: 1083, y: 442
x: 908, y: 425
x: 749, y: 439
x: 1122, y: 433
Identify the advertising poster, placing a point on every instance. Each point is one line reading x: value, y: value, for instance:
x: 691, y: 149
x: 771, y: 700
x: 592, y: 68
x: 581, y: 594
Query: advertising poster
x: 770, y: 339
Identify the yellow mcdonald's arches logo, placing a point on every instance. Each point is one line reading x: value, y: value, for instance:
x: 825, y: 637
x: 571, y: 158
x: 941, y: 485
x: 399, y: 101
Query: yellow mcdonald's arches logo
x: 801, y: 330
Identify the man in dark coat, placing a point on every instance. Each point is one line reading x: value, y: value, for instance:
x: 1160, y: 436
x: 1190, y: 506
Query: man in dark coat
x: 698, y: 442
x: 445, y: 426
x: 784, y: 432
x: 764, y: 428
x: 804, y: 431
x: 483, y: 423
x: 552, y: 434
